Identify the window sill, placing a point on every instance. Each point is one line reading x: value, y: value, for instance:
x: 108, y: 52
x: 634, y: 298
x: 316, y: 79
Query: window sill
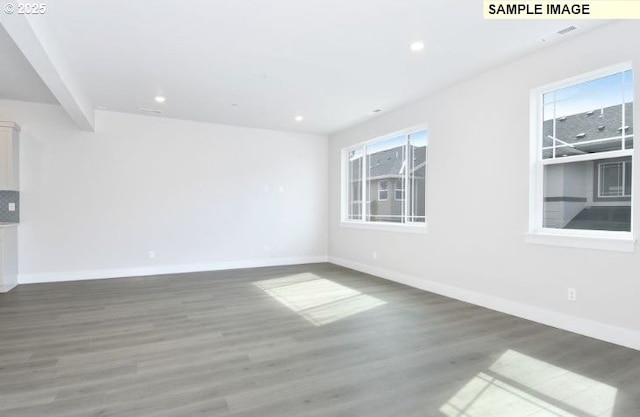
x: 391, y: 227
x: 608, y: 243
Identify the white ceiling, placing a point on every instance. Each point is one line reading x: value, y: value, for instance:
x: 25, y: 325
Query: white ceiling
x: 332, y: 61
x: 18, y: 80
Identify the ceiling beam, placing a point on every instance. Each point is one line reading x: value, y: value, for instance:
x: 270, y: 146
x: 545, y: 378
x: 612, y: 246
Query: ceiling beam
x: 32, y: 38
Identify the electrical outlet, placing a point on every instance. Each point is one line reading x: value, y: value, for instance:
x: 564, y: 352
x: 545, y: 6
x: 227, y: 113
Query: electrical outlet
x: 572, y: 295
x: 152, y: 254
x: 12, y: 206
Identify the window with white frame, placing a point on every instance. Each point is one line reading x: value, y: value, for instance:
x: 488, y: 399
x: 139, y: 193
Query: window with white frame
x: 371, y: 168
x: 583, y: 145
x: 383, y: 190
x: 399, y: 190
x: 614, y: 179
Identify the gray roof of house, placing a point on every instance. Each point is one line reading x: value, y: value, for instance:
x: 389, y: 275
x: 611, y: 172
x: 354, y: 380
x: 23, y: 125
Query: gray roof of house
x: 389, y: 161
x: 582, y: 127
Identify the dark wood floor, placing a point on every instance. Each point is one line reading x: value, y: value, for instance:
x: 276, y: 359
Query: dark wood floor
x: 310, y: 340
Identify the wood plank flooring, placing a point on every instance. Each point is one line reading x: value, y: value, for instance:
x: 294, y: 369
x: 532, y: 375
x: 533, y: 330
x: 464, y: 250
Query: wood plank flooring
x: 304, y: 341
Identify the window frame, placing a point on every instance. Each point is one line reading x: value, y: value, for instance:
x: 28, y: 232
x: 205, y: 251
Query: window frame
x: 623, y: 176
x: 363, y: 223
x: 591, y: 239
x: 383, y: 190
x: 399, y: 185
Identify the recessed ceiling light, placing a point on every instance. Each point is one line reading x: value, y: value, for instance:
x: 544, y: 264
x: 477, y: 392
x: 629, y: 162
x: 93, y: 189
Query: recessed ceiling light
x: 417, y: 46
x: 299, y: 118
x: 160, y: 99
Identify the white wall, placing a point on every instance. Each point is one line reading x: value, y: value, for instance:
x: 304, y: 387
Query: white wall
x: 477, y: 208
x: 201, y: 196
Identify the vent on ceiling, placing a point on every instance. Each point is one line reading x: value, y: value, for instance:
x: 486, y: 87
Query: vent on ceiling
x: 559, y: 33
x: 149, y: 111
x: 567, y: 30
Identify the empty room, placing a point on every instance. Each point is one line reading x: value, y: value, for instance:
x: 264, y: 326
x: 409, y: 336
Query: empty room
x: 279, y: 208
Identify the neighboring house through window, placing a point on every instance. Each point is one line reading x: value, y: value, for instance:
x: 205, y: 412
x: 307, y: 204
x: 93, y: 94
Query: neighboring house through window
x: 383, y: 190
x: 399, y: 190
x: 384, y: 167
x: 614, y: 179
x: 582, y: 153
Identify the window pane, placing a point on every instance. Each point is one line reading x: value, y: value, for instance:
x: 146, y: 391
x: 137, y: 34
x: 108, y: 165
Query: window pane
x: 588, y: 117
x: 611, y: 180
x: 627, y: 79
x: 399, y: 189
x: 627, y: 179
x: 385, y: 163
x: 383, y: 190
x: 391, y: 174
x: 355, y: 185
x: 417, y: 177
x: 571, y: 200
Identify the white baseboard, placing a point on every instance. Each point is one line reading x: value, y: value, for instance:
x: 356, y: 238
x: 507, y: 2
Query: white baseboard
x: 7, y: 288
x: 164, y: 269
x: 597, y: 330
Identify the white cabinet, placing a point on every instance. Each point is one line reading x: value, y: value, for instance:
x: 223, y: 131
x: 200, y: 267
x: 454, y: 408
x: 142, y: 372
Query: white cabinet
x: 9, y: 156
x: 9, y: 180
x: 8, y: 257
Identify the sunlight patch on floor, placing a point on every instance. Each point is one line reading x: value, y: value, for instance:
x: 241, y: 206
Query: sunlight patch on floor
x: 318, y: 300
x: 519, y: 385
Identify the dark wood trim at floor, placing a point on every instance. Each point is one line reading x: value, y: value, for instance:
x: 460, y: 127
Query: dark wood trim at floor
x: 303, y: 341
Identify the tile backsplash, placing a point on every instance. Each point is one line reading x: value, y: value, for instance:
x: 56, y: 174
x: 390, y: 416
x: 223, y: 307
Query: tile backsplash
x: 7, y: 197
